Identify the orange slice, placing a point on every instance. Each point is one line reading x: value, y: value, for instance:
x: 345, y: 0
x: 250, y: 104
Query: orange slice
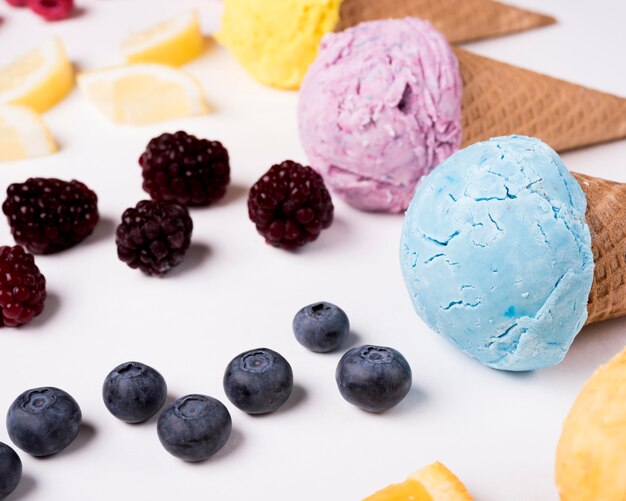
x: 433, y: 483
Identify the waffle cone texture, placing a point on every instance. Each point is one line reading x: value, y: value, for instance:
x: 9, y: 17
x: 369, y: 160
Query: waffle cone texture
x: 459, y: 20
x: 606, y: 217
x: 501, y: 99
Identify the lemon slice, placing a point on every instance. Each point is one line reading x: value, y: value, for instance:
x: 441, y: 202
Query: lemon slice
x: 172, y: 42
x: 39, y: 79
x: 433, y: 483
x: 23, y: 134
x: 143, y: 93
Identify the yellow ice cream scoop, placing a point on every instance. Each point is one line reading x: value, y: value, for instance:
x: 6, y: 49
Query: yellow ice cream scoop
x: 277, y: 40
x: 591, y: 455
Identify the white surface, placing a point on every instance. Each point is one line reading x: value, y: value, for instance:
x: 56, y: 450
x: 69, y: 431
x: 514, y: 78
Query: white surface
x: 497, y: 431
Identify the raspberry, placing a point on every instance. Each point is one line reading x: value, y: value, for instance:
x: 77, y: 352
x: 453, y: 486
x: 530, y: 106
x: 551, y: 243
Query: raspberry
x: 154, y: 236
x: 290, y: 205
x: 48, y: 215
x: 185, y: 169
x: 52, y: 10
x: 22, y: 287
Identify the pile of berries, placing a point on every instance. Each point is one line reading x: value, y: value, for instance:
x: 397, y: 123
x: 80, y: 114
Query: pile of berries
x: 179, y: 171
x: 50, y: 10
x: 46, y: 215
x: 374, y: 378
x: 289, y: 205
x: 44, y: 421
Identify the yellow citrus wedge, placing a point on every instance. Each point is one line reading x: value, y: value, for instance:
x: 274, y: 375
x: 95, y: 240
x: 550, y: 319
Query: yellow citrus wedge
x: 172, y: 42
x: 143, y: 93
x: 38, y: 79
x: 591, y: 455
x: 23, y: 134
x: 433, y: 483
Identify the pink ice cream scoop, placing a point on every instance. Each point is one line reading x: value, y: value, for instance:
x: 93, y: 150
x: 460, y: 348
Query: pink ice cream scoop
x: 379, y: 108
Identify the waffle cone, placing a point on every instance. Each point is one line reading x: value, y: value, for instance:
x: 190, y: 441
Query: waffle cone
x: 458, y: 20
x: 606, y: 217
x: 500, y: 99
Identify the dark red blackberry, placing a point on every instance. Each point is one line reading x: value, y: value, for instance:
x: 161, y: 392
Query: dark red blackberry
x: 48, y: 215
x: 290, y: 205
x: 182, y: 168
x: 22, y: 287
x: 154, y: 236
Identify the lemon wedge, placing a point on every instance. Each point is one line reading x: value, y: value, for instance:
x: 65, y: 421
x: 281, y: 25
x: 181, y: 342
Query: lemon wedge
x: 38, y: 79
x: 23, y: 134
x: 173, y: 42
x: 433, y: 483
x: 143, y: 93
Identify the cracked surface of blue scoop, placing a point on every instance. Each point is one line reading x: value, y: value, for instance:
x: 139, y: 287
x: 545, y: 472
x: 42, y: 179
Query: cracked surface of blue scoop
x: 496, y: 253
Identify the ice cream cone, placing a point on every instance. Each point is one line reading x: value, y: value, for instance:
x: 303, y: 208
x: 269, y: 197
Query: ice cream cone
x: 500, y: 99
x: 459, y: 20
x: 606, y: 217
x: 508, y: 254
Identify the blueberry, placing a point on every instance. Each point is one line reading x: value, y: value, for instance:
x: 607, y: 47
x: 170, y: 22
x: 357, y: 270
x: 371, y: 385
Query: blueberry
x: 321, y: 327
x: 374, y: 378
x: 10, y: 470
x: 134, y: 392
x: 43, y: 421
x: 258, y: 381
x: 194, y: 427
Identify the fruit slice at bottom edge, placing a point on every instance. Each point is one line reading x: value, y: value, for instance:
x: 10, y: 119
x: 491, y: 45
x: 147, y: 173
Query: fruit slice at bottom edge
x: 38, y: 79
x: 143, y: 93
x: 174, y: 42
x: 590, y: 457
x: 23, y: 134
x: 433, y: 483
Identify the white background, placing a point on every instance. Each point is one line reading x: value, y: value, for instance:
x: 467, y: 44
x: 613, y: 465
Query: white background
x: 496, y: 431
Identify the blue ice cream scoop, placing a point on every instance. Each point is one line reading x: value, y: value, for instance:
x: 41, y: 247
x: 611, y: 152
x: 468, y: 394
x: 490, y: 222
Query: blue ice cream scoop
x: 496, y: 253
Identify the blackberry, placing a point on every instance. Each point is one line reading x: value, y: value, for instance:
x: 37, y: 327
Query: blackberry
x: 290, y: 205
x: 48, y: 215
x: 182, y: 168
x: 22, y: 287
x: 154, y: 236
